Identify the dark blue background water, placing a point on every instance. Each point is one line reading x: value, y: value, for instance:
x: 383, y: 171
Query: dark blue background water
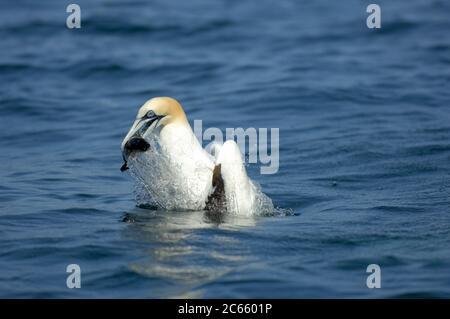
x: 364, y: 120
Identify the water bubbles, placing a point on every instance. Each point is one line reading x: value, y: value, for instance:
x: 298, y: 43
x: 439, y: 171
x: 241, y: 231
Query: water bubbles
x: 158, y: 183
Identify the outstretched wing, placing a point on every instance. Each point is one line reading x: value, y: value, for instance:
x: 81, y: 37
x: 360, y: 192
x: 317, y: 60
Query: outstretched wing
x: 217, y: 200
x: 232, y: 189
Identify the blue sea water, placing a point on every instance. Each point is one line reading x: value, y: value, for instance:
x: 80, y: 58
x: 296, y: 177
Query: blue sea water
x: 364, y: 119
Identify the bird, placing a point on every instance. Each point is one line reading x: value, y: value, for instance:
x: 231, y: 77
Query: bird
x: 163, y: 154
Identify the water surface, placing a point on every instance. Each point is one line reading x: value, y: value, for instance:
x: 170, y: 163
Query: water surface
x: 364, y: 120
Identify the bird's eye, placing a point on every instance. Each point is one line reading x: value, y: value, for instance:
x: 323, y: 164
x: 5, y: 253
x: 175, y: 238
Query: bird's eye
x: 150, y: 114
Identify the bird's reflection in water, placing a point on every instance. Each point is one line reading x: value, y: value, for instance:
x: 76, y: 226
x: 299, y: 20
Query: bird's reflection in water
x: 188, y: 249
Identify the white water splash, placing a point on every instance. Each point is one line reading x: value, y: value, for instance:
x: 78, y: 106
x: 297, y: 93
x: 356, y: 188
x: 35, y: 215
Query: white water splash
x: 157, y: 183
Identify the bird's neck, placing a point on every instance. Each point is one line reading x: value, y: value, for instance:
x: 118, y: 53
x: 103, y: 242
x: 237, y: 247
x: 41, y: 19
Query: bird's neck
x: 179, y: 135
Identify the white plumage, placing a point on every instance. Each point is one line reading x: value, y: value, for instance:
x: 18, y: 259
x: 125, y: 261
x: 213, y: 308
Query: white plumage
x: 177, y: 172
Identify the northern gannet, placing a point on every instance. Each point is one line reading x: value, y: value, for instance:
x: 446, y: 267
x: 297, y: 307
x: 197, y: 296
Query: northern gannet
x: 163, y: 153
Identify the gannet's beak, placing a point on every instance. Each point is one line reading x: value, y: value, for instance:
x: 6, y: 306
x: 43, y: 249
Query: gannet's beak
x: 135, y: 141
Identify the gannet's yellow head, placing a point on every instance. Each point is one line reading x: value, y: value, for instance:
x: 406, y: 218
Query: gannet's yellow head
x: 155, y: 113
x: 166, y: 107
